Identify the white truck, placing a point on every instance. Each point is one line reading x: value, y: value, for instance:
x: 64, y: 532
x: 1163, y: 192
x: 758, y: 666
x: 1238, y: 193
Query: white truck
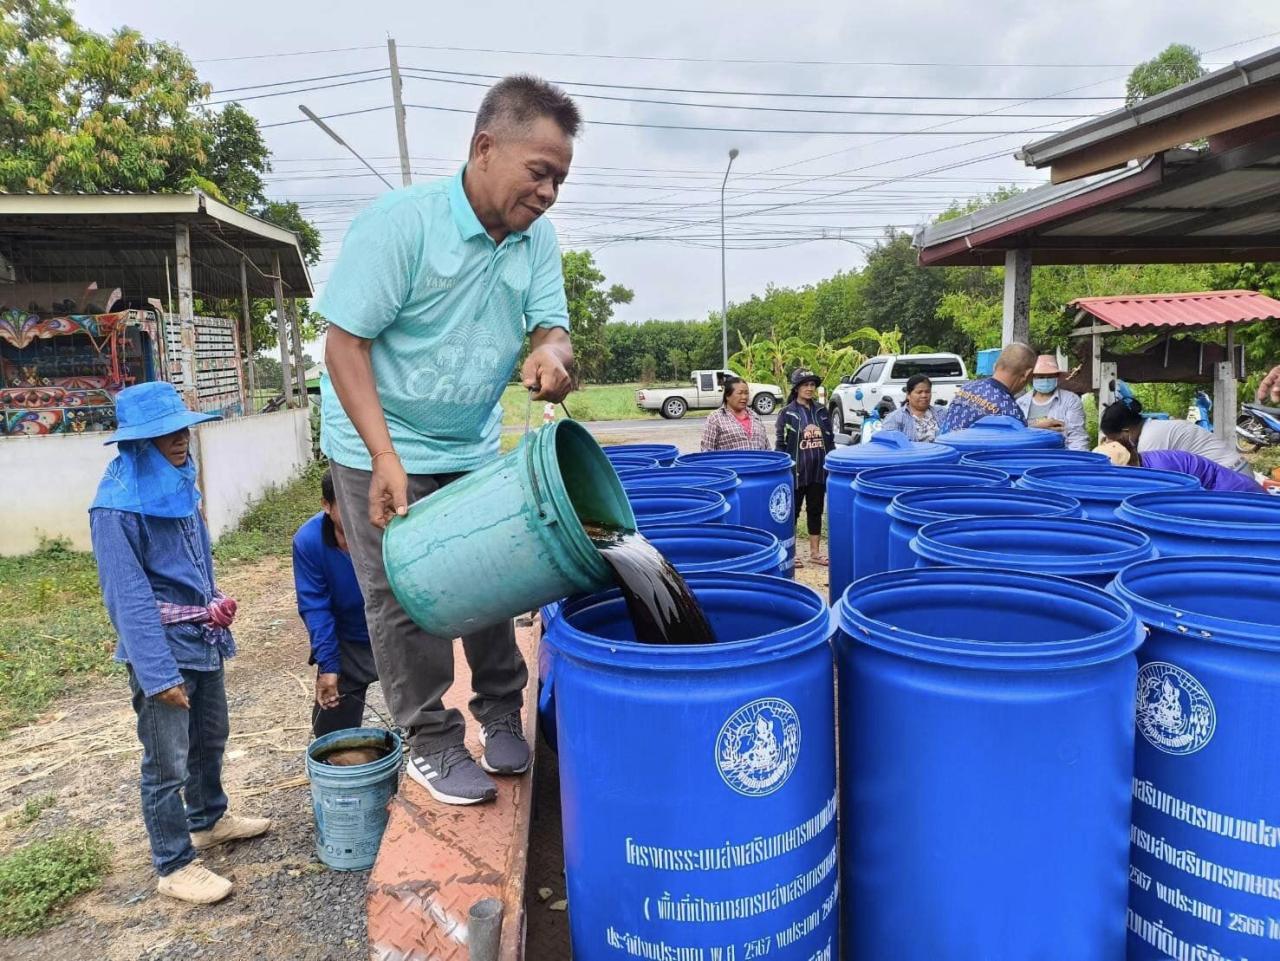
x: 707, y: 392
x: 878, y: 385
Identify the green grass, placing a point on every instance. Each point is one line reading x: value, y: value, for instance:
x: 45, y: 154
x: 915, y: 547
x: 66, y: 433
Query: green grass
x: 593, y: 402
x: 32, y: 810
x: 37, y: 879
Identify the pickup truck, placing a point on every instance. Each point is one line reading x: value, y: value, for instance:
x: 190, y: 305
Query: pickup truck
x: 879, y: 383
x: 707, y: 392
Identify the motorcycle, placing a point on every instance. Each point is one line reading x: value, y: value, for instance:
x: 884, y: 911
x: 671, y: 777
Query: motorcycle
x: 1257, y: 427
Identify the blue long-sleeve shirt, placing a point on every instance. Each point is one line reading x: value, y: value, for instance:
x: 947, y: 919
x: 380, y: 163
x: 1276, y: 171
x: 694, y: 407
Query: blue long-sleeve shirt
x: 329, y: 598
x: 143, y: 560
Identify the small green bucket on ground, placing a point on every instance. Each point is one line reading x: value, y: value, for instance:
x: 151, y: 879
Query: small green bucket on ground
x: 350, y: 803
x: 509, y: 537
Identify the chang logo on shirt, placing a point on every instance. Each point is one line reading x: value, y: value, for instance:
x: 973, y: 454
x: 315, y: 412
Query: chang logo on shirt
x: 1175, y: 713
x: 470, y: 368
x: 758, y: 746
x: 780, y: 504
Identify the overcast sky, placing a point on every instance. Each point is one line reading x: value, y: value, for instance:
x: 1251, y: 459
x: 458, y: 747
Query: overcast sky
x: 645, y: 199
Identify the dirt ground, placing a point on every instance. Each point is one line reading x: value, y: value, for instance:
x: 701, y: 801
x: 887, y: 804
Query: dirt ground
x: 285, y: 904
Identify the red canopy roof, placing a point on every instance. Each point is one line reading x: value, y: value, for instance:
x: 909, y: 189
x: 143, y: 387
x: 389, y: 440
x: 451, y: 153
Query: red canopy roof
x: 1214, y: 308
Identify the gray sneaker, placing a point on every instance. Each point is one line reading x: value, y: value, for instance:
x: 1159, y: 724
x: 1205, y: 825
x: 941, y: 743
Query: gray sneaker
x: 505, y: 749
x: 452, y: 776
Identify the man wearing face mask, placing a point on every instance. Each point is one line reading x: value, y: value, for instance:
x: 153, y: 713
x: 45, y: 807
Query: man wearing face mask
x: 1048, y: 405
x: 429, y: 305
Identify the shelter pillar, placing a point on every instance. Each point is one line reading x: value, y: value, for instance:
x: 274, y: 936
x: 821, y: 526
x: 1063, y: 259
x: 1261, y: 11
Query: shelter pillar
x: 250, y: 375
x: 1016, y: 323
x: 300, y: 368
x: 186, y: 316
x: 282, y: 332
x: 1224, y: 393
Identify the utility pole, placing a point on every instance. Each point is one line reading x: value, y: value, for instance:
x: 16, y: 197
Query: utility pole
x: 397, y: 97
x: 724, y: 297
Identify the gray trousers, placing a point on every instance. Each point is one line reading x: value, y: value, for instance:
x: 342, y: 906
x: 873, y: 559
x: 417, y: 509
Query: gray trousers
x: 416, y: 668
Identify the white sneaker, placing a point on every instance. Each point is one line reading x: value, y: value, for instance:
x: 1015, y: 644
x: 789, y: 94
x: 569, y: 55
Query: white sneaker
x: 194, y: 884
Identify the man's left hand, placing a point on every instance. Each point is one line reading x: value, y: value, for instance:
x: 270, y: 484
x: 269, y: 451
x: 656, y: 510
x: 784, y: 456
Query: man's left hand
x: 544, y: 372
x: 1049, y: 423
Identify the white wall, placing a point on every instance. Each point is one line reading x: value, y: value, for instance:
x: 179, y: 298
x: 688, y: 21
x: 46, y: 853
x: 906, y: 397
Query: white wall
x: 47, y: 483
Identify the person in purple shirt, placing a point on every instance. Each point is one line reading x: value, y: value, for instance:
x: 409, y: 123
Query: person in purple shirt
x: 996, y: 394
x: 1212, y: 475
x: 332, y: 606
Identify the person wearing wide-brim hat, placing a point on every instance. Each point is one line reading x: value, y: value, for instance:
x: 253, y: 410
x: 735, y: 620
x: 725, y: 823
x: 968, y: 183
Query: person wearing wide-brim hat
x: 155, y: 565
x: 804, y: 432
x: 1048, y: 405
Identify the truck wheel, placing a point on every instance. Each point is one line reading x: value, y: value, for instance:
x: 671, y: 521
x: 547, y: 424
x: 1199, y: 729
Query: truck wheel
x: 673, y: 408
x: 837, y: 419
x: 763, y: 404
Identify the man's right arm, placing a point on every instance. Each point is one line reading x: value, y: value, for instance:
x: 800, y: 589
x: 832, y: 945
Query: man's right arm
x: 370, y: 283
x: 314, y: 608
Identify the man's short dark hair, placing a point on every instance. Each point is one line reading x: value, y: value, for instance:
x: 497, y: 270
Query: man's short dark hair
x: 326, y: 488
x: 517, y: 101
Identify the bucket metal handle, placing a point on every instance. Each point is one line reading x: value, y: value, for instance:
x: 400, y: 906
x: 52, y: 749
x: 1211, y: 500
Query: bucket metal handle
x: 386, y: 722
x: 539, y: 502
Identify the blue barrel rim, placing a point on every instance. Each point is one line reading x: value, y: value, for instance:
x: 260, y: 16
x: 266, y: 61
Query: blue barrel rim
x: 653, y: 451
x: 749, y: 461
x: 1198, y: 626
x: 710, y: 505
x: 634, y: 462
x: 1137, y: 546
x: 912, y: 452
x: 1108, y: 644
x: 702, y: 478
x: 877, y: 480
x: 765, y: 542
x: 907, y: 506
x: 1149, y: 509
x: 1076, y: 478
x: 1064, y: 455
x: 814, y: 630
x: 995, y: 426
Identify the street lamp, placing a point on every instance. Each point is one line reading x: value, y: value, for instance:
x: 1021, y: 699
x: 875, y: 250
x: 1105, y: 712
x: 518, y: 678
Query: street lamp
x: 724, y: 299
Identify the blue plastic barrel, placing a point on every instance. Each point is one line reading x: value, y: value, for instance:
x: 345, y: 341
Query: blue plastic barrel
x: 701, y: 549
x: 888, y: 448
x: 874, y: 490
x: 724, y: 482
x: 986, y: 751
x: 688, y: 506
x: 767, y: 493
x: 1234, y: 523
x: 664, y: 454
x: 1092, y: 552
x: 698, y: 783
x: 1018, y: 461
x: 1000, y: 432
x: 1101, y: 489
x: 1205, y: 873
x: 350, y: 802
x: 911, y: 510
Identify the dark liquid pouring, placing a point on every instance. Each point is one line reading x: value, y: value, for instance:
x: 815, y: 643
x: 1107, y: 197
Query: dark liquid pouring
x: 663, y: 610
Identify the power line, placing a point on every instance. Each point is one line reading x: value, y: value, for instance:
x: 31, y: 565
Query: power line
x: 286, y: 93
x: 278, y: 55
x: 327, y: 116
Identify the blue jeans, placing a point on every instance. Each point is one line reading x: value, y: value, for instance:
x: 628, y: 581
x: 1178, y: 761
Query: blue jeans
x: 181, y: 757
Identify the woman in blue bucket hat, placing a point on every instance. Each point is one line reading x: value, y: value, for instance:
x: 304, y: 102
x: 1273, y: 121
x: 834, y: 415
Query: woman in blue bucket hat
x: 155, y: 565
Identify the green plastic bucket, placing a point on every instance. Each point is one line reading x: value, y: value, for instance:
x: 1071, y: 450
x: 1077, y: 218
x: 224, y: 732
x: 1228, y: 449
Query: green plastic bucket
x: 507, y: 538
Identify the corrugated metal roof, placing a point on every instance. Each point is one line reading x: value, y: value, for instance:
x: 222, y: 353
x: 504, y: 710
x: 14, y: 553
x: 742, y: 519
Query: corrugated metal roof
x: 1214, y: 308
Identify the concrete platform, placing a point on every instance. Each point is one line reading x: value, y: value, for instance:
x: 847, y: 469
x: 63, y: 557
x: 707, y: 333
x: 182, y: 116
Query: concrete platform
x: 437, y: 860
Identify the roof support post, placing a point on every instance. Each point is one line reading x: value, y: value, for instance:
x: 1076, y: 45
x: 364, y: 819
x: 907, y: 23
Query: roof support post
x: 186, y: 315
x: 282, y: 330
x: 1016, y: 323
x: 250, y: 375
x: 299, y: 368
x: 1224, y: 393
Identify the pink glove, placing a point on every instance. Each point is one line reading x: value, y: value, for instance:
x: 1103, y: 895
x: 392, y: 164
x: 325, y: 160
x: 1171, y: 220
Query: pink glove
x: 222, y: 611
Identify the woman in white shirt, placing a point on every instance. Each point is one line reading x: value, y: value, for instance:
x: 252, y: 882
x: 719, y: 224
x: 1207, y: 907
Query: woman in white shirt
x: 1123, y: 421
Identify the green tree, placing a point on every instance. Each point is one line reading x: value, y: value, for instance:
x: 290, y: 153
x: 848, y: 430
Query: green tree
x: 1175, y: 65
x: 898, y: 293
x: 590, y: 307
x: 648, y: 369
x: 236, y: 158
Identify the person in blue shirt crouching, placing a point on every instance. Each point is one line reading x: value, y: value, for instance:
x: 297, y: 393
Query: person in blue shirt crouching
x: 155, y: 565
x: 332, y: 607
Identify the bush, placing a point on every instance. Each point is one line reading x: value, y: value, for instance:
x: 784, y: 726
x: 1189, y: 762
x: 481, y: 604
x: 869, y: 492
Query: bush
x: 37, y: 879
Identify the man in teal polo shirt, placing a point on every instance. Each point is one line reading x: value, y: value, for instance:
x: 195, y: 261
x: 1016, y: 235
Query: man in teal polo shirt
x: 429, y: 305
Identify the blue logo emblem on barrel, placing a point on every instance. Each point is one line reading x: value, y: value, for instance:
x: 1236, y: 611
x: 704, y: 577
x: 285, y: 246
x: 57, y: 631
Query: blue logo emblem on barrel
x: 780, y: 503
x: 1175, y: 713
x: 758, y: 746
